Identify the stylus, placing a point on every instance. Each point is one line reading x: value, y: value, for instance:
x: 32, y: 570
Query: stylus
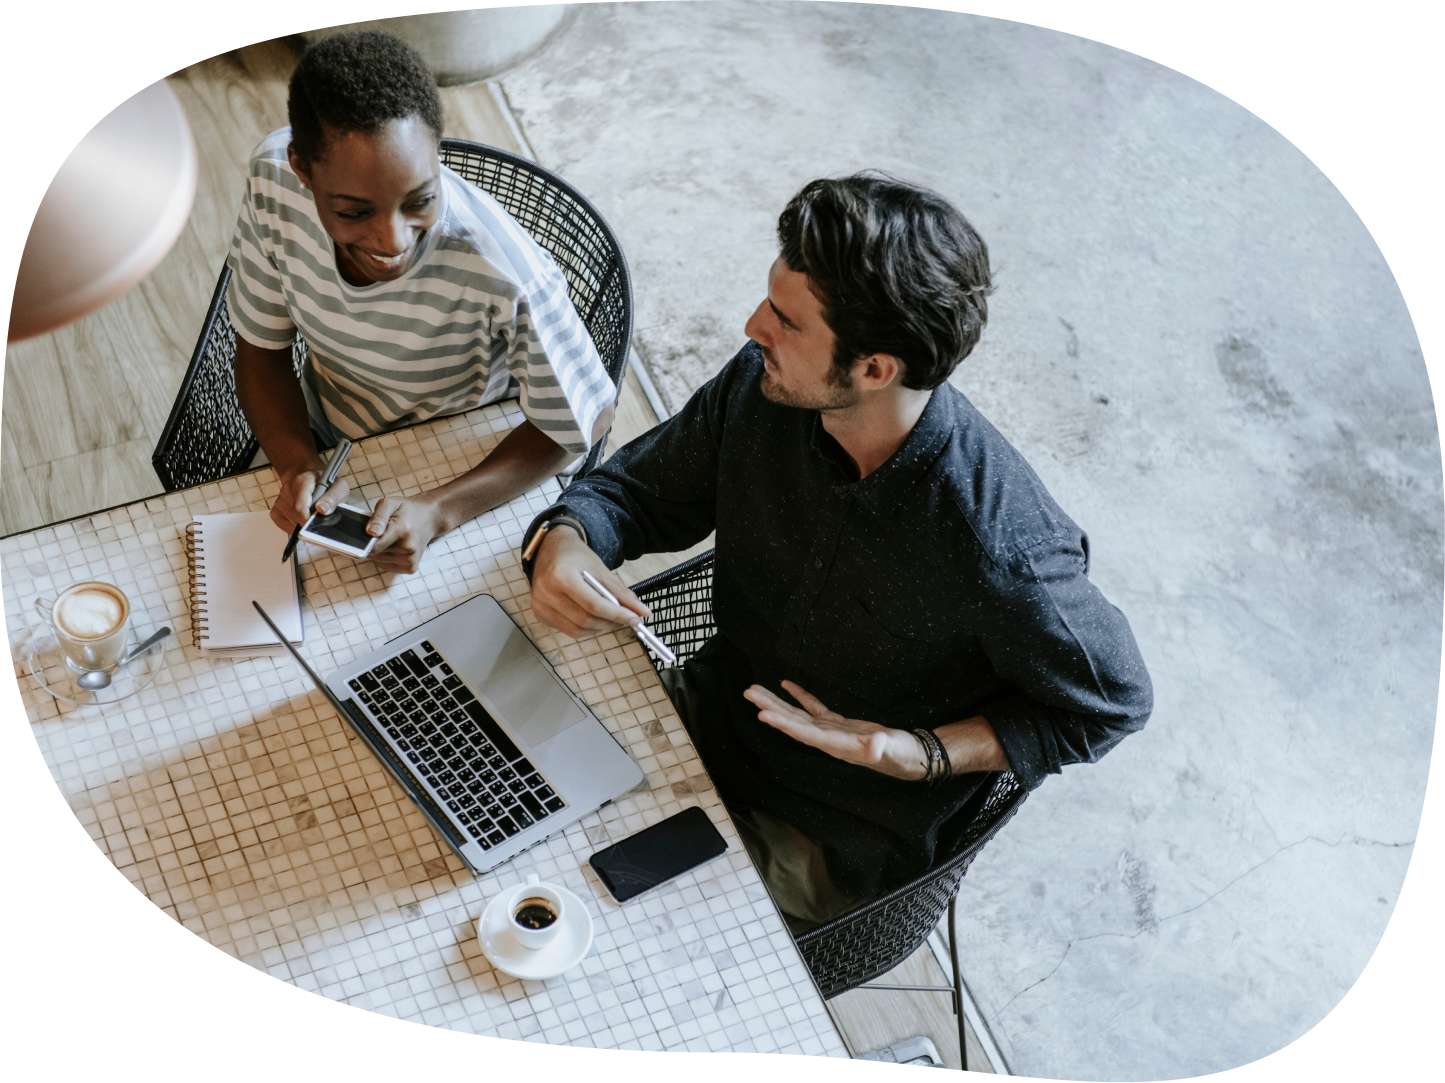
x: 333, y: 467
x: 644, y: 633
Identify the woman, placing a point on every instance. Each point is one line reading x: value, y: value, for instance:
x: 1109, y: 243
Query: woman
x: 418, y: 296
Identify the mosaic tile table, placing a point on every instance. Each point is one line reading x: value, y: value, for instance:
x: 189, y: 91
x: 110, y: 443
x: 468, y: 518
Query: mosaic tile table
x: 231, y: 794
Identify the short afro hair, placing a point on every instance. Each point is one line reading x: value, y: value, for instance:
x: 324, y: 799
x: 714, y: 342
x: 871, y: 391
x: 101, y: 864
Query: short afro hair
x: 897, y: 268
x: 357, y: 83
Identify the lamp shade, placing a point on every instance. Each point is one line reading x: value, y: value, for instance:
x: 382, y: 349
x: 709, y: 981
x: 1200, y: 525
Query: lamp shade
x: 110, y: 215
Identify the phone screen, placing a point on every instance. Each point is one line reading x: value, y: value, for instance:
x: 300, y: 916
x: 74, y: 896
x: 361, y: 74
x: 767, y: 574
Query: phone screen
x: 658, y: 853
x: 344, y: 526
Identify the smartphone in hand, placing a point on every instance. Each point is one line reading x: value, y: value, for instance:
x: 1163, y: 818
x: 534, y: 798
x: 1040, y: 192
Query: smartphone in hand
x: 658, y: 853
x: 343, y: 531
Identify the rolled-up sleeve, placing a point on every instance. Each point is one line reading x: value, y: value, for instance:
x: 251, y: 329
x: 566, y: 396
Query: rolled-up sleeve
x: 1075, y: 682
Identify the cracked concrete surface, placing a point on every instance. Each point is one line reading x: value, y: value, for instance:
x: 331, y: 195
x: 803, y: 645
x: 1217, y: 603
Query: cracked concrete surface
x: 1199, y: 348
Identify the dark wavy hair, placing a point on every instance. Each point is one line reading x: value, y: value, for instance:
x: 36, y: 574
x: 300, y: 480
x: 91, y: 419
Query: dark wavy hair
x: 356, y: 83
x: 897, y: 269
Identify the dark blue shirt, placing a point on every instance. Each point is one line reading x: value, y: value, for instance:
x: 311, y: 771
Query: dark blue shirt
x: 946, y: 584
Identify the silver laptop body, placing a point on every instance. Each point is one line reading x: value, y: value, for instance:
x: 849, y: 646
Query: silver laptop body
x: 489, y: 742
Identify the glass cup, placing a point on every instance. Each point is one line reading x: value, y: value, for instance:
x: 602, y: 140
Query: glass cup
x: 90, y: 620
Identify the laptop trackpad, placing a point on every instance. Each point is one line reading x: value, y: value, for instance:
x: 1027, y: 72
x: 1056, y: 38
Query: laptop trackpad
x: 534, y: 706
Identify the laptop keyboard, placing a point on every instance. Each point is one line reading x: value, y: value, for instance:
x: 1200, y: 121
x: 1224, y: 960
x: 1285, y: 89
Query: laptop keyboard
x: 451, y: 740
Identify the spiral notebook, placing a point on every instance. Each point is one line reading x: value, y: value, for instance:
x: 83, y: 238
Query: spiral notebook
x: 232, y: 560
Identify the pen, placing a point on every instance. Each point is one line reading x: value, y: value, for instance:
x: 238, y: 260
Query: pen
x: 644, y: 633
x: 333, y: 467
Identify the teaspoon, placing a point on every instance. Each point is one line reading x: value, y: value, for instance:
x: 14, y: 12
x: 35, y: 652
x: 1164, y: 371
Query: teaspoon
x: 96, y: 679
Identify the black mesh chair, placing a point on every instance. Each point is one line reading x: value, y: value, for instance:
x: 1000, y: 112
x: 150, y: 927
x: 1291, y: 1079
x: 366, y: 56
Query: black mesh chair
x: 849, y: 951
x: 207, y: 437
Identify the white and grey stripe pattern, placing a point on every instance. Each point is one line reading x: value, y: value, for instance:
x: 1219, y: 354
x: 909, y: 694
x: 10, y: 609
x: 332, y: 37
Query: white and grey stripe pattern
x: 481, y: 301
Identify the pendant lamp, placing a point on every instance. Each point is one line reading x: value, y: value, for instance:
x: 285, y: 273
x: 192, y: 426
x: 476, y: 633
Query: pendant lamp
x: 111, y: 214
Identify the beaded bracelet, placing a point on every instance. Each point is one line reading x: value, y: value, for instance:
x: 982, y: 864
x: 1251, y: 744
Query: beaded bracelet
x: 936, y: 766
x: 930, y: 758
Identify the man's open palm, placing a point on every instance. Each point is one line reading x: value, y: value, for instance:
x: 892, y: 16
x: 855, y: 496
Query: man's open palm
x: 893, y: 752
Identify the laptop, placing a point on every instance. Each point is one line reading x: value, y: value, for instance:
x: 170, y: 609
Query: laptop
x: 493, y: 747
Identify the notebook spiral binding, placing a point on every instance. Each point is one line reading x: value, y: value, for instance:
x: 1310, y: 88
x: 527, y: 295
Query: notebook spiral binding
x: 197, y: 589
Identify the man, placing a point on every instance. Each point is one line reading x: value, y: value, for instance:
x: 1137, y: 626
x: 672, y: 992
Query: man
x: 898, y: 597
x: 418, y: 296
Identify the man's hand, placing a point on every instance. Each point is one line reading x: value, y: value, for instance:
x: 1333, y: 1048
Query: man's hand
x: 403, y: 527
x: 293, y: 504
x: 971, y: 744
x: 852, y: 740
x: 562, y: 598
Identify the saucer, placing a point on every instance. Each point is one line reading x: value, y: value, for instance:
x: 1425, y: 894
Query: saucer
x: 564, y: 952
x: 46, y: 661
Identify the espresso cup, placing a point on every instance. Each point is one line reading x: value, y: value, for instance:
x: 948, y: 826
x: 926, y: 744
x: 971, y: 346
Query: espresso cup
x: 534, y: 913
x: 90, y: 621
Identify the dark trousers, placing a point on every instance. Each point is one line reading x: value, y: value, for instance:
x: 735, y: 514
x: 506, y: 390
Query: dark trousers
x: 791, y: 863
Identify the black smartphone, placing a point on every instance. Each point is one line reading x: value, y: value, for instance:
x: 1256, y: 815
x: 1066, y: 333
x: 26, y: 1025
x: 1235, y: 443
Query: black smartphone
x: 658, y: 853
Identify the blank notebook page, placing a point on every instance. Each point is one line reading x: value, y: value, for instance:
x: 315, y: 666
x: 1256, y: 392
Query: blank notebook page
x: 239, y: 556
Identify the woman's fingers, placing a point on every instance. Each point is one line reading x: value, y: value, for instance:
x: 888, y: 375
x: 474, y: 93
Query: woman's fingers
x: 293, y: 501
x: 391, y: 553
x: 333, y: 498
x: 381, y: 515
x: 299, y: 508
x: 395, y: 560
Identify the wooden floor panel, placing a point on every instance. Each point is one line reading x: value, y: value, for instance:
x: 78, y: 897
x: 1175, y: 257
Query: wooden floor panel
x: 66, y: 488
x: 17, y: 502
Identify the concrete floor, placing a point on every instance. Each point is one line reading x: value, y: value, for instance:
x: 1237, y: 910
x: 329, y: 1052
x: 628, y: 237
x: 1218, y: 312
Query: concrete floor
x: 1199, y: 348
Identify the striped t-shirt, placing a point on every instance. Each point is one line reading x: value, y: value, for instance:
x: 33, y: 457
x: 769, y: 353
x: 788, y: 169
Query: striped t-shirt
x: 481, y: 301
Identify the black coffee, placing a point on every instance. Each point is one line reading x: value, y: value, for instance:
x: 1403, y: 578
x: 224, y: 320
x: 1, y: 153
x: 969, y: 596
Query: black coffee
x: 534, y: 914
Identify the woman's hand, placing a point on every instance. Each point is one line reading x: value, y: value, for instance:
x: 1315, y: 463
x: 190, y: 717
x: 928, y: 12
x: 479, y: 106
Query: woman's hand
x: 403, y: 527
x: 896, y: 753
x: 293, y: 505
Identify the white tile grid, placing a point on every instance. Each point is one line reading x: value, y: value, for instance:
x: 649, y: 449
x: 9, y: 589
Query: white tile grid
x: 231, y: 794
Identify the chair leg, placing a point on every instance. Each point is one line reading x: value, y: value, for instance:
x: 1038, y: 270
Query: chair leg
x: 956, y: 990
x: 957, y: 986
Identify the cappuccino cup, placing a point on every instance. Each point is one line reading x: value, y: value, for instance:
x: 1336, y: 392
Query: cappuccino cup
x: 534, y: 913
x: 90, y: 621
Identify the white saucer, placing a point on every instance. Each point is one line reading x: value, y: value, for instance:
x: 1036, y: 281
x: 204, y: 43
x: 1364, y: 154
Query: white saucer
x: 564, y: 952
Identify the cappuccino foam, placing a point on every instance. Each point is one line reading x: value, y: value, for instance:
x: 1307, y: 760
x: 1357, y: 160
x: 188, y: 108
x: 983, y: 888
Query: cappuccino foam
x: 90, y: 611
